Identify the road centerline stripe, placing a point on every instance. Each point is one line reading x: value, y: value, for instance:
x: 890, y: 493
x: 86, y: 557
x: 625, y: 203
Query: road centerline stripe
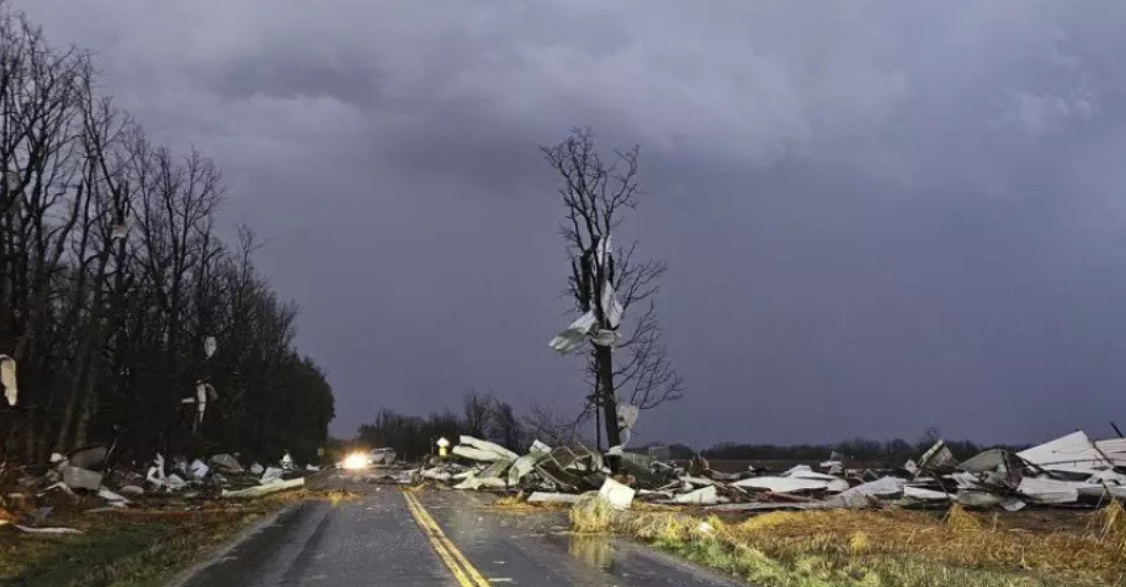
x: 478, y: 579
x: 435, y: 542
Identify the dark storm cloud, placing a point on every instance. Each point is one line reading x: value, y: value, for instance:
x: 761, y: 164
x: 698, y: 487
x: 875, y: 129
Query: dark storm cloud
x: 879, y: 215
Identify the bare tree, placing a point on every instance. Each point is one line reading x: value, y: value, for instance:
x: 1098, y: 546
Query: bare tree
x: 506, y: 427
x: 478, y: 414
x: 607, y: 282
x: 544, y: 424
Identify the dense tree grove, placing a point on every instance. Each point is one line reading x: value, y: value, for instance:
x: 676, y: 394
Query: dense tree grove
x: 118, y: 301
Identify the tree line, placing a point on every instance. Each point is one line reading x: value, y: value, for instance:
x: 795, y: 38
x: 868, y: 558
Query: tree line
x: 895, y: 452
x: 130, y: 321
x: 482, y: 416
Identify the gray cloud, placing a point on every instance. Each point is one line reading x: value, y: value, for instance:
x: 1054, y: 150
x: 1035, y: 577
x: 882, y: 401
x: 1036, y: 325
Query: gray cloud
x: 880, y: 216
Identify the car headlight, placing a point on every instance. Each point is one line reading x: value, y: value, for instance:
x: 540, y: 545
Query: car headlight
x: 355, y: 461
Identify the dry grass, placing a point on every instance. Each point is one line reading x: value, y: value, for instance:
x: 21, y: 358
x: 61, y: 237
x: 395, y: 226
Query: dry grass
x: 892, y: 548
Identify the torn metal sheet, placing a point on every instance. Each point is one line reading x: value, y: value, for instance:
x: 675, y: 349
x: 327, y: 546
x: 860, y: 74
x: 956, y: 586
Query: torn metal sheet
x: 982, y: 499
x: 8, y: 379
x: 921, y: 494
x: 79, y: 478
x: 114, y: 499
x: 482, y: 450
x: 489, y: 477
x: 984, y: 462
x: 227, y: 463
x: 773, y: 506
x: 863, y: 495
x: 612, y: 306
x: 90, y: 457
x: 266, y: 488
x: 527, y: 463
x: 833, y: 484
x: 627, y: 417
x: 937, y: 458
x: 545, y: 497
x: 270, y: 475
x: 573, y: 337
x: 199, y: 469
x: 702, y: 496
x: 619, y: 496
x: 1051, y: 491
x: 1074, y: 453
x: 1114, y: 449
x: 30, y: 530
x: 782, y: 484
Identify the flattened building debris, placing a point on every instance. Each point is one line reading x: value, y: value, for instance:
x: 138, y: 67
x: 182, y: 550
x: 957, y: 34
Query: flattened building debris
x: 1071, y: 471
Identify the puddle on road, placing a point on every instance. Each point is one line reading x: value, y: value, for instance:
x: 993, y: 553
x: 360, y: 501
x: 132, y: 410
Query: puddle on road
x: 596, y: 551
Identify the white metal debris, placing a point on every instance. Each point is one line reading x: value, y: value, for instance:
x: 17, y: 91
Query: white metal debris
x: 922, y: 494
x: 782, y: 484
x: 611, y: 306
x: 270, y: 475
x: 482, y: 450
x: 619, y: 496
x: 199, y: 469
x: 527, y: 463
x: 266, y: 488
x: 702, y: 496
x: 1041, y: 490
x: 572, y: 338
x: 8, y: 379
x: 114, y: 499
x: 544, y: 497
x: 79, y: 478
x: 1074, y: 453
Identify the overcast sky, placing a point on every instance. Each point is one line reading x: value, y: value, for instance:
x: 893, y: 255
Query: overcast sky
x: 879, y: 215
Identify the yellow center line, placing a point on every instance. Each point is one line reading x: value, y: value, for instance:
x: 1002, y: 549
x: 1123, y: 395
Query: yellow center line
x: 443, y: 554
x: 435, y: 532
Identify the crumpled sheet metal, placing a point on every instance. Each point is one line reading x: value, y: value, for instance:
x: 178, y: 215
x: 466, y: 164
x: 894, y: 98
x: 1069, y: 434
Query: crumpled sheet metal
x: 1073, y: 453
x: 476, y: 449
x: 266, y: 488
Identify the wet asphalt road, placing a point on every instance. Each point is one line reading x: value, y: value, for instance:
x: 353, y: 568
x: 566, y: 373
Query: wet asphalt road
x: 376, y: 541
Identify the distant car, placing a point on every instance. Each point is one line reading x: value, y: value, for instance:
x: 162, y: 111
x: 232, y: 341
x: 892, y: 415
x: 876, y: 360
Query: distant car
x: 361, y: 460
x: 383, y: 456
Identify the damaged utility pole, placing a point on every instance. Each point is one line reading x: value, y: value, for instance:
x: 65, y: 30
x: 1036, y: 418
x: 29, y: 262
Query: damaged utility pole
x: 605, y: 282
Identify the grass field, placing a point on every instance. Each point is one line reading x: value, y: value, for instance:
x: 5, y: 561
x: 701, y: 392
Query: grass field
x: 888, y: 548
